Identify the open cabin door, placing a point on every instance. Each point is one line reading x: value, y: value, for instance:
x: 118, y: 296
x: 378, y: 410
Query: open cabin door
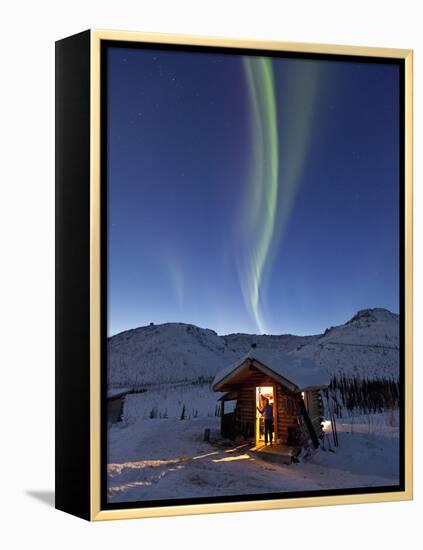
x: 263, y: 393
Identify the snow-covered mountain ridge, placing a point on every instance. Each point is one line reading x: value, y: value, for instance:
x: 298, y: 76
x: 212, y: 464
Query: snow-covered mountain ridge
x: 366, y: 346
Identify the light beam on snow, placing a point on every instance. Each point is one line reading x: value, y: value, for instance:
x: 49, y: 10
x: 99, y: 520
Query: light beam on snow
x: 232, y: 458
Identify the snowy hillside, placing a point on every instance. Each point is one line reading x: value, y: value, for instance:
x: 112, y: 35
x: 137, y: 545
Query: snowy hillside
x: 376, y: 327
x: 178, y: 352
x: 365, y: 346
x: 172, y: 352
x: 241, y: 343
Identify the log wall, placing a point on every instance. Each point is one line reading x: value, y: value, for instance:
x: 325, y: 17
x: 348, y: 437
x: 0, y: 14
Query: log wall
x: 288, y: 408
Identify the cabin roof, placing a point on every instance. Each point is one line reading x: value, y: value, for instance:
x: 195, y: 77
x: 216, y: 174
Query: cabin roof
x: 297, y: 373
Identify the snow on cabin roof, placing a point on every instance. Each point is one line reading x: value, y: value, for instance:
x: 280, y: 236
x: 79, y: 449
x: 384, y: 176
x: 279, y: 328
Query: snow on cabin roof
x: 301, y: 372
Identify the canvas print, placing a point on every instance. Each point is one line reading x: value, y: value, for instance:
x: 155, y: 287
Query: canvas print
x: 253, y: 244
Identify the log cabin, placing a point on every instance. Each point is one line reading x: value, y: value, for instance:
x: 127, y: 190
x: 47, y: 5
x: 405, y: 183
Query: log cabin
x: 290, y: 384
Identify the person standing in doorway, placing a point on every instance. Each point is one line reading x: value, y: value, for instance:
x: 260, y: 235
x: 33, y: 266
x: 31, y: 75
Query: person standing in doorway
x: 267, y: 412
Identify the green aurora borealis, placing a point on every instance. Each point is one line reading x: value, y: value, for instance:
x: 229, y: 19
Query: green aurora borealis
x: 272, y: 187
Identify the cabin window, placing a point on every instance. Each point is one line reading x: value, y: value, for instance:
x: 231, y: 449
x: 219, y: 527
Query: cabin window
x: 230, y: 406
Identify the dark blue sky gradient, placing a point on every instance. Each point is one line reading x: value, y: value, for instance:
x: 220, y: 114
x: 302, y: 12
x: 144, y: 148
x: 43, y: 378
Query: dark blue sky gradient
x: 179, y: 139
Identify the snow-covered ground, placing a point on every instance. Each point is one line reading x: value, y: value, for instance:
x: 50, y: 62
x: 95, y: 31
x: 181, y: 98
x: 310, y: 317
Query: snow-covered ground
x: 153, y: 459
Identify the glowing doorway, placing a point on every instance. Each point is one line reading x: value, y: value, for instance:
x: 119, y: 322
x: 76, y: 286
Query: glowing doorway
x: 263, y: 393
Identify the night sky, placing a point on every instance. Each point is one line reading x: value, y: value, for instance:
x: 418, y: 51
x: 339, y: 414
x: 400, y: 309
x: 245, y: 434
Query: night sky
x: 250, y: 194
